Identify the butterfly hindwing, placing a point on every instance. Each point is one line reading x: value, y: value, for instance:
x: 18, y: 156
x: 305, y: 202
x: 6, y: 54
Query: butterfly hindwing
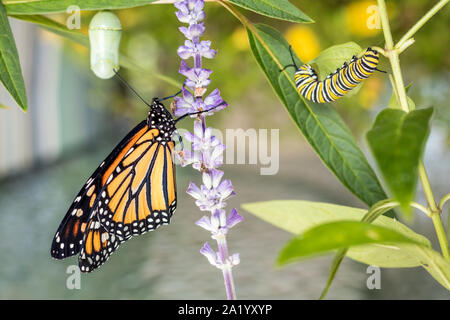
x: 97, y: 246
x: 69, y: 236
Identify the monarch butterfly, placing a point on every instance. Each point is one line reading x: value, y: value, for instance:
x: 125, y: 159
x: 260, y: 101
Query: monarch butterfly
x: 132, y: 191
x: 336, y: 84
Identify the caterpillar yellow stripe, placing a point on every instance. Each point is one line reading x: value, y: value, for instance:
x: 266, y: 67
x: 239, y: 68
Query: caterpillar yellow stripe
x: 338, y: 83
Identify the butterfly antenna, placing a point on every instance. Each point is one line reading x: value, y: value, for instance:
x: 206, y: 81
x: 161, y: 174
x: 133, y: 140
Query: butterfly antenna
x: 129, y: 87
x: 169, y: 97
x: 198, y: 112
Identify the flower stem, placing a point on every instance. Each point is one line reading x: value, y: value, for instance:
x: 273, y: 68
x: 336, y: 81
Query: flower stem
x: 440, y: 231
x: 226, y: 268
x: 421, y: 22
x: 399, y: 87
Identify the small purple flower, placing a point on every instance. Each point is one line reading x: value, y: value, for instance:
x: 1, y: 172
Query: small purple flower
x: 193, y: 31
x: 219, y: 224
x: 233, y: 219
x: 190, y: 11
x: 195, y: 77
x: 210, y: 254
x: 187, y: 103
x: 192, y: 49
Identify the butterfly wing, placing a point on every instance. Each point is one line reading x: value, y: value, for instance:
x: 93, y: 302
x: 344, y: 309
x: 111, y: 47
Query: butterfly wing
x: 97, y: 246
x: 69, y: 236
x: 140, y: 193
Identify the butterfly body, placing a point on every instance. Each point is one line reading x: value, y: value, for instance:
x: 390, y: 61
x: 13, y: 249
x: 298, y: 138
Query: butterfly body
x: 133, y: 191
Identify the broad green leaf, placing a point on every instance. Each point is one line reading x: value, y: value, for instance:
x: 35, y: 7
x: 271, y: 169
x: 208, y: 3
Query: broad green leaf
x: 279, y: 9
x: 434, y: 263
x: 321, y: 125
x: 339, y: 235
x: 55, y: 27
x: 334, y: 57
x: 374, y: 212
x: 296, y: 216
x: 10, y: 71
x: 54, y: 6
x: 393, y: 101
x: 397, y: 140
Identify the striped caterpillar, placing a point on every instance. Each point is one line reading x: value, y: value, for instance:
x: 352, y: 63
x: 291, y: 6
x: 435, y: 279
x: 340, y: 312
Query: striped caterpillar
x: 336, y: 84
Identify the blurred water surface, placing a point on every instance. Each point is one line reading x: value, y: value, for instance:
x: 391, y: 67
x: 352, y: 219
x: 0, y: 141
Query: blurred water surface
x: 167, y: 264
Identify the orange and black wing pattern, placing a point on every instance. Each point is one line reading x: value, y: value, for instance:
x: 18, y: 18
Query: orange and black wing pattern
x: 139, y: 192
x: 133, y: 191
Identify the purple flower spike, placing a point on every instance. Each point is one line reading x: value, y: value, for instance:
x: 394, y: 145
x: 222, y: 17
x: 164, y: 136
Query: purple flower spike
x: 206, y: 154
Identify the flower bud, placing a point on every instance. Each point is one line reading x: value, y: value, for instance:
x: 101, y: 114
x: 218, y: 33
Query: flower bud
x: 104, y: 35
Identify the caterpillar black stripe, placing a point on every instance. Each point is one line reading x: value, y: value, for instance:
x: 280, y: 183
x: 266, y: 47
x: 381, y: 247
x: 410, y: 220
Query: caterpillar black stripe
x: 338, y: 83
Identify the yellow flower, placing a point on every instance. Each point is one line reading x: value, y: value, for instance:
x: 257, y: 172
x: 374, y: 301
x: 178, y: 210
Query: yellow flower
x: 370, y: 92
x: 304, y: 42
x: 362, y: 18
x: 239, y: 39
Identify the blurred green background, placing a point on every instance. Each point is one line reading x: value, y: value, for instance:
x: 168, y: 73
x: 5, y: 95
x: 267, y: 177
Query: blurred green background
x: 75, y: 119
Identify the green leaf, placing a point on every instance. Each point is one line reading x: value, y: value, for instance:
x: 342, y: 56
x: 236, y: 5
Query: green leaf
x: 334, y: 57
x: 338, y: 235
x: 321, y: 125
x: 10, y: 71
x: 279, y: 9
x: 55, y: 27
x: 374, y: 212
x: 296, y: 216
x: 397, y: 140
x: 393, y: 101
x: 54, y: 6
x: 434, y: 263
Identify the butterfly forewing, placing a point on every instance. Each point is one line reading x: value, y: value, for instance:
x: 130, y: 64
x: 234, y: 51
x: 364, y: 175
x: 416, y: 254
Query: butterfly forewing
x: 140, y: 194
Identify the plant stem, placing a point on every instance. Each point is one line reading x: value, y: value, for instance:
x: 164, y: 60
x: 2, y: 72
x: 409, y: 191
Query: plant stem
x: 427, y: 188
x: 440, y: 231
x: 443, y: 201
x: 399, y: 87
x: 226, y: 269
x: 421, y: 22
